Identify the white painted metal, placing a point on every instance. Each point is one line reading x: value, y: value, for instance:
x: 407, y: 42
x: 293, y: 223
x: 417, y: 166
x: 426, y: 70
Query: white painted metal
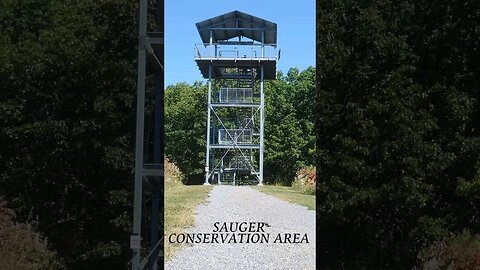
x: 262, y: 119
x: 207, y: 162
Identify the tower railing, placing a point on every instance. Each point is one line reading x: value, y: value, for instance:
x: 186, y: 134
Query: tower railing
x: 239, y: 162
x: 231, y: 136
x: 228, y: 51
x: 236, y: 95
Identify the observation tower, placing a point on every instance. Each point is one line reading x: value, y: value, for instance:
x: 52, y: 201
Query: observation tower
x: 237, y: 54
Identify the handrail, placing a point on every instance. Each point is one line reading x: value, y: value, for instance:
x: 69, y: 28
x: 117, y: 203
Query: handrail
x: 235, y: 51
x: 238, y: 44
x: 236, y: 95
x: 239, y: 136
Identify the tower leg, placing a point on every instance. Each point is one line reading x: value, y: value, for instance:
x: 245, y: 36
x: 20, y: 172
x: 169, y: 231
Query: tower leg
x: 157, y: 159
x: 139, y: 135
x: 207, y: 162
x: 154, y: 225
x: 262, y: 119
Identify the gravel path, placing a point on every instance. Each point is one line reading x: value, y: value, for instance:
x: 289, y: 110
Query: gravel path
x: 244, y: 204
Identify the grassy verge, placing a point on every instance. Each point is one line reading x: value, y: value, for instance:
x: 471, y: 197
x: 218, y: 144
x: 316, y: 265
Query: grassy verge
x: 180, y: 203
x: 289, y: 194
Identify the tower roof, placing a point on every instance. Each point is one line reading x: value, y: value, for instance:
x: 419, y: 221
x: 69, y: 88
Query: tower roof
x: 236, y: 23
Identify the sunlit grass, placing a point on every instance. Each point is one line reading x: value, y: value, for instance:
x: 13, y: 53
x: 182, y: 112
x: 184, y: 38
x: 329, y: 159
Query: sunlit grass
x: 180, y: 204
x: 289, y: 194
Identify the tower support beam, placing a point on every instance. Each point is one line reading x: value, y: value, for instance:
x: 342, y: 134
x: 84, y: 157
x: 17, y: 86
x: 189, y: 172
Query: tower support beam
x: 149, y: 45
x: 262, y: 125
x: 139, y: 138
x: 207, y: 162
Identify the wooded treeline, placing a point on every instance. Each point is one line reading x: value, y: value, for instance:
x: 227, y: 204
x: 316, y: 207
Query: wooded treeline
x: 289, y: 126
x: 398, y: 129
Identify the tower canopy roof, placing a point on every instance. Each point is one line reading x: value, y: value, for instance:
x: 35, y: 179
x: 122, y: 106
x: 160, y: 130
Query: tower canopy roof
x: 236, y: 23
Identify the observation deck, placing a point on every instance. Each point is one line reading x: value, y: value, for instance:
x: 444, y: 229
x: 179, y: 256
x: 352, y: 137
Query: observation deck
x: 235, y: 55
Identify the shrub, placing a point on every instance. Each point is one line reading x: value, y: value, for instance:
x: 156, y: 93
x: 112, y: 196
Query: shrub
x: 305, y: 180
x: 460, y: 252
x: 21, y: 248
x: 173, y: 175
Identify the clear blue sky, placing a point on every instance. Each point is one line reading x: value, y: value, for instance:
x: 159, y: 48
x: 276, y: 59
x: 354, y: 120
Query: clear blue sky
x: 295, y: 32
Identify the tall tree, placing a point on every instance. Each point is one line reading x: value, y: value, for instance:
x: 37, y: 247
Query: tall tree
x: 289, y: 124
x: 185, y: 128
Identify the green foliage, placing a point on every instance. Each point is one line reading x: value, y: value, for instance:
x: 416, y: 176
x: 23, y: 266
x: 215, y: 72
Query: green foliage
x: 185, y: 127
x: 289, y: 128
x: 398, y: 128
x: 67, y: 73
x: 289, y: 124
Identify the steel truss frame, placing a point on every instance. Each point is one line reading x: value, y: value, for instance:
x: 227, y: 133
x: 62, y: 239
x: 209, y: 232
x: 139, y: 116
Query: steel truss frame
x: 149, y: 176
x: 235, y: 145
x: 213, y: 166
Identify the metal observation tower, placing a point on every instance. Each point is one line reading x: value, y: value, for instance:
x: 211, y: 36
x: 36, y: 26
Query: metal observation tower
x: 237, y: 54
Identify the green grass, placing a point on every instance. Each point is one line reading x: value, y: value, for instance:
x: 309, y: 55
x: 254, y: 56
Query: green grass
x: 289, y: 194
x: 180, y: 204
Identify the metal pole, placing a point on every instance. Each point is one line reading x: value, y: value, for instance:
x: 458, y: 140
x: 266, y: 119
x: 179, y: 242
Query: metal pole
x: 207, y: 162
x: 139, y: 136
x: 214, y: 132
x: 220, y: 175
x: 157, y: 159
x: 158, y: 152
x: 263, y: 41
x: 207, y: 170
x: 154, y: 223
x: 210, y: 45
x: 262, y: 107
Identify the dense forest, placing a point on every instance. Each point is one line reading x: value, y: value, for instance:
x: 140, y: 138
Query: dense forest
x: 398, y: 132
